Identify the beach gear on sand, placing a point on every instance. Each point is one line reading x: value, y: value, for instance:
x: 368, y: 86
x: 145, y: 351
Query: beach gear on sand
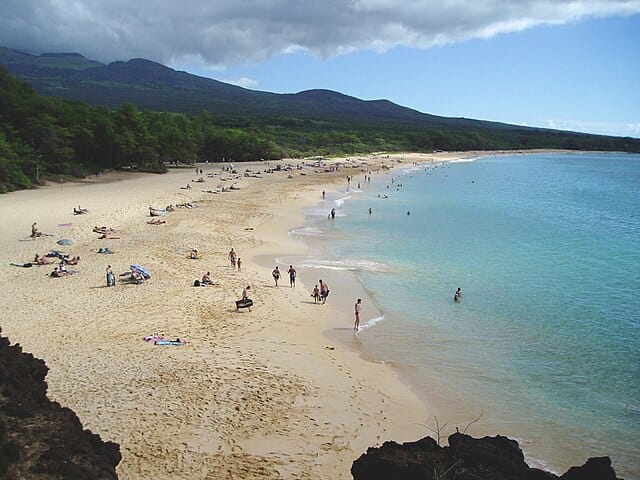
x: 244, y: 303
x: 141, y: 270
x: 169, y: 342
x: 65, y: 241
x: 157, y: 212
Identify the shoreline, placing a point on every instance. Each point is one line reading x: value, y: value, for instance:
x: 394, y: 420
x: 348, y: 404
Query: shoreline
x: 247, y: 388
x: 252, y: 394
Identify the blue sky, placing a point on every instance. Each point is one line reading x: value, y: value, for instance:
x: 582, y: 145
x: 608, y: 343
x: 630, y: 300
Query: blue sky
x: 582, y: 76
x: 566, y: 64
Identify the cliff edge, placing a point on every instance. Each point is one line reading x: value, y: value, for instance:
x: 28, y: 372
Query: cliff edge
x: 39, y: 439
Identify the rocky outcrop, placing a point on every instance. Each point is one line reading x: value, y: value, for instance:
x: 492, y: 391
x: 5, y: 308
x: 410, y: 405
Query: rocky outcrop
x: 39, y: 439
x: 466, y: 458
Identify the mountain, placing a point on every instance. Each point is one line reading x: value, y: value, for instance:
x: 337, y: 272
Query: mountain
x: 152, y: 86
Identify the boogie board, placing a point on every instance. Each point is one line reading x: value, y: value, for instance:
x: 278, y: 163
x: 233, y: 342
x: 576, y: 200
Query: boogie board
x: 244, y: 303
x: 167, y: 342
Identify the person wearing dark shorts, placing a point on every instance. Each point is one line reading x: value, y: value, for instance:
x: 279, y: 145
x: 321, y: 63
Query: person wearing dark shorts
x: 292, y: 276
x: 324, y: 291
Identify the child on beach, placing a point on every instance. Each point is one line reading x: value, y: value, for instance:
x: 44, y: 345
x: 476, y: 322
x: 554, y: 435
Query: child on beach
x: 316, y: 294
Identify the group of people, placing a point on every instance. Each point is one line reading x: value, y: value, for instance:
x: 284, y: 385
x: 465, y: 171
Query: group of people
x: 292, y: 275
x: 320, y: 293
x: 236, y: 262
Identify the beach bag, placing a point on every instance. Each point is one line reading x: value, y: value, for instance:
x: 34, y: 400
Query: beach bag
x: 196, y: 283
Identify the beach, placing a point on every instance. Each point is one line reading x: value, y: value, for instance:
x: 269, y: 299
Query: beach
x: 265, y: 393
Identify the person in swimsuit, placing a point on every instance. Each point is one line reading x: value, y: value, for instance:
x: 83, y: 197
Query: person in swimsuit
x: 276, y: 275
x: 324, y: 291
x: 292, y: 276
x: 358, y: 311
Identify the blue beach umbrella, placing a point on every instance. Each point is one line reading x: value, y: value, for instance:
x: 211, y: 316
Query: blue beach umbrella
x: 141, y: 270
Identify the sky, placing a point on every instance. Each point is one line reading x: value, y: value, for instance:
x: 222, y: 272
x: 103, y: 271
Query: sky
x: 565, y: 64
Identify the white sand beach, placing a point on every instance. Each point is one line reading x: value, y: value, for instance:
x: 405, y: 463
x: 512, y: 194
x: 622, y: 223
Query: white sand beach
x: 252, y: 394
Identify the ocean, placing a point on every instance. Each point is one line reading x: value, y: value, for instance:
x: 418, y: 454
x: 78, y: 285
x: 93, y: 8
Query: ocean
x: 545, y: 344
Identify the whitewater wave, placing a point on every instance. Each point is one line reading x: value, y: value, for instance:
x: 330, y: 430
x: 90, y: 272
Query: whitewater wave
x: 370, y: 323
x: 345, y: 265
x: 307, y: 232
x: 340, y: 201
x: 464, y: 160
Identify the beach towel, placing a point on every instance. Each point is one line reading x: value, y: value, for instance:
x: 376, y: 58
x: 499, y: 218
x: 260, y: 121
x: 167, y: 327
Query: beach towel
x: 169, y: 342
x: 65, y: 241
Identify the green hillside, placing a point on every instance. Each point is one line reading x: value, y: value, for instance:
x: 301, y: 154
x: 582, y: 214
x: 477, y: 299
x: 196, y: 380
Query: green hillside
x: 143, y: 114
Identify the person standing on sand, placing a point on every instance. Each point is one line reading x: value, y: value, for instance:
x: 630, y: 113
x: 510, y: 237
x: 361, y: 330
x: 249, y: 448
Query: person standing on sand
x: 232, y: 257
x: 276, y: 275
x: 239, y: 263
x: 323, y: 194
x: 358, y: 311
x: 111, y: 278
x: 324, y: 291
x: 316, y: 294
x: 292, y: 276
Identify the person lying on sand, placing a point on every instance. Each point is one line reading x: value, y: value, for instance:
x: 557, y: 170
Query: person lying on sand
x: 80, y: 210
x: 41, y: 260
x: 60, y: 271
x: 156, y: 221
x: 102, y: 229
x: 71, y: 261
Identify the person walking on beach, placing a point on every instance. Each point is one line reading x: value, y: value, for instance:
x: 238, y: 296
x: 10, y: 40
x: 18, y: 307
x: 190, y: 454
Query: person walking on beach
x: 232, y: 257
x: 358, y: 311
x: 323, y: 194
x: 276, y: 275
x: 333, y: 213
x: 324, y: 291
x: 292, y: 276
x: 239, y: 263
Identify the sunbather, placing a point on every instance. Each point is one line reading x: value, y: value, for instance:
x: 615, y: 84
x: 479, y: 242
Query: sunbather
x: 41, y: 260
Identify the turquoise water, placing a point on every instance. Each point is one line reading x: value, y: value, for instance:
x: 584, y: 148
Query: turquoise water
x: 546, y: 340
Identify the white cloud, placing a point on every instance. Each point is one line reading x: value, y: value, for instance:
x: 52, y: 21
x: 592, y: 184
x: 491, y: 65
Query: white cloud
x: 243, y: 82
x: 222, y: 33
x: 630, y: 129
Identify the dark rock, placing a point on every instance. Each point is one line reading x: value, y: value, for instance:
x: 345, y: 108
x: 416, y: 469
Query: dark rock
x: 466, y: 458
x: 596, y: 468
x: 39, y: 439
